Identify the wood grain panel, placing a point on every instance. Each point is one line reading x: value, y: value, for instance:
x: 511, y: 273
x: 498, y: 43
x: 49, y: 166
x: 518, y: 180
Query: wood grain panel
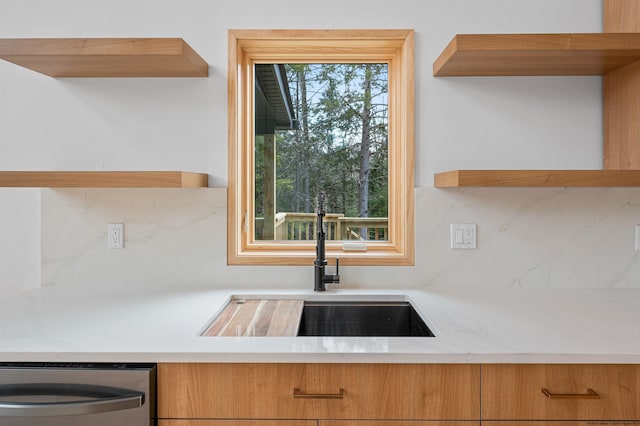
x: 536, y: 54
x: 621, y: 16
x: 77, y: 179
x: 514, y: 392
x: 393, y: 423
x: 105, y: 57
x: 258, y: 317
x: 371, y: 391
x: 195, y: 422
x: 621, y: 93
x: 621, y: 109
x: 537, y: 178
x: 542, y: 423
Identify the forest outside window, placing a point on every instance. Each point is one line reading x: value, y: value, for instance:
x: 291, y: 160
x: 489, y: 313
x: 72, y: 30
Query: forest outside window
x: 320, y: 111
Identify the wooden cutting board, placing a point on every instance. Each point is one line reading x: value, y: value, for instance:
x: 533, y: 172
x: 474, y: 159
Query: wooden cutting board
x: 258, y: 317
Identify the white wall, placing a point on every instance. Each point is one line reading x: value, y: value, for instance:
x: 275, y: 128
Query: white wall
x: 529, y: 237
x: 19, y: 239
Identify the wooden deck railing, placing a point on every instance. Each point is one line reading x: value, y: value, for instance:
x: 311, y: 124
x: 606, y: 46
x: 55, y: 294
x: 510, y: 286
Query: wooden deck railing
x: 302, y: 226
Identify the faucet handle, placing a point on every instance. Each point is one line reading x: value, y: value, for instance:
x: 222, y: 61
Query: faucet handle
x: 336, y: 276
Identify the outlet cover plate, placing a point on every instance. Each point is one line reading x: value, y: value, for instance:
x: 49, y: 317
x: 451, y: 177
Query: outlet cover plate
x: 115, y: 235
x: 463, y: 235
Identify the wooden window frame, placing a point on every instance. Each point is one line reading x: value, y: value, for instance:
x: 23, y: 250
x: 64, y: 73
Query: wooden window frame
x: 248, y: 47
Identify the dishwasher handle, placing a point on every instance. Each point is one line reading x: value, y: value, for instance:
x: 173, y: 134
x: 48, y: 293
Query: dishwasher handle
x: 92, y: 399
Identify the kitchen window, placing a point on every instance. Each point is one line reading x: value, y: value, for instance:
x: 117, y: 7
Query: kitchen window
x: 266, y: 77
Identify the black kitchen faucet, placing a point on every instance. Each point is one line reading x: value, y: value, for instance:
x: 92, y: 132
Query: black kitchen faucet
x: 321, y: 279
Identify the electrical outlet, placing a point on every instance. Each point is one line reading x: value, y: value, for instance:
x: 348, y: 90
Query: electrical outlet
x: 463, y: 235
x: 115, y: 235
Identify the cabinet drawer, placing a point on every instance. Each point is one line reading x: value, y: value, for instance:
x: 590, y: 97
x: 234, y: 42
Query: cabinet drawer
x: 237, y: 423
x: 319, y: 391
x: 394, y: 423
x: 543, y: 423
x: 515, y: 392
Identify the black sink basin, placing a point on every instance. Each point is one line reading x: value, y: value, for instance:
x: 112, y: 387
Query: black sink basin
x: 381, y: 319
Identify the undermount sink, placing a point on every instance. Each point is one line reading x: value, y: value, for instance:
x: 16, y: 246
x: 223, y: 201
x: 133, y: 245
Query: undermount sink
x: 255, y: 316
x: 373, y: 319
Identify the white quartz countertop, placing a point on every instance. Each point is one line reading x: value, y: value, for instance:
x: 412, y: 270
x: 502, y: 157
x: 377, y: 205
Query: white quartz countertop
x: 75, y: 324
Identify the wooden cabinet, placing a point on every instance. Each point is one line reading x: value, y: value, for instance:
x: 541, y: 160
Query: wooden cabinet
x: 561, y: 392
x: 237, y: 423
x: 312, y: 423
x: 394, y: 423
x: 200, y: 422
x: 319, y: 391
x: 537, y: 423
x: 397, y: 394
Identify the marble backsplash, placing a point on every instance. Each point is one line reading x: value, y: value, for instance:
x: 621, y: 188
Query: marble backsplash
x: 551, y: 237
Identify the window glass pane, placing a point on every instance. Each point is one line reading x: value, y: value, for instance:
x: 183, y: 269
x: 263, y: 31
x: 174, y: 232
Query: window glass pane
x: 321, y: 127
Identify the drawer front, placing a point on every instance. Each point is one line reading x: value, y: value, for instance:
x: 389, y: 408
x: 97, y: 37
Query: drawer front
x: 237, y: 423
x: 393, y: 423
x: 575, y: 392
x: 542, y: 423
x: 319, y: 391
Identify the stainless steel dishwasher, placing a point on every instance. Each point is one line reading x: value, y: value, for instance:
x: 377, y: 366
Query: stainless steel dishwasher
x: 77, y: 394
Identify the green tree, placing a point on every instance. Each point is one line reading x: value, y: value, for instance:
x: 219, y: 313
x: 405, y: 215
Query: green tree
x: 340, y: 145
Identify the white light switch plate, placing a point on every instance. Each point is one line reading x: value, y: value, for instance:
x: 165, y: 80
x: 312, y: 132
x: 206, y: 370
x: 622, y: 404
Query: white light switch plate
x: 637, y: 237
x: 463, y: 235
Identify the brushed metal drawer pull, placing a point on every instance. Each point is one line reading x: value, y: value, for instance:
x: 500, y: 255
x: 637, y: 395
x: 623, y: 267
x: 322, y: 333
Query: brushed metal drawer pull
x: 591, y: 394
x: 297, y: 393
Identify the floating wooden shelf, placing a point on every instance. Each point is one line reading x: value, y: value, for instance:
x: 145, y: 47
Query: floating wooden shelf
x: 537, y: 54
x: 537, y: 178
x: 615, y: 54
x: 105, y: 57
x: 103, y: 179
